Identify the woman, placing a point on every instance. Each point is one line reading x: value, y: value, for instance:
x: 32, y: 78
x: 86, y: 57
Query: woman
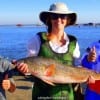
x: 7, y: 83
x: 92, y: 61
x: 55, y: 44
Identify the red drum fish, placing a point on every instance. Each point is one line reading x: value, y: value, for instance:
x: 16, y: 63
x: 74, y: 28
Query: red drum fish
x: 52, y: 71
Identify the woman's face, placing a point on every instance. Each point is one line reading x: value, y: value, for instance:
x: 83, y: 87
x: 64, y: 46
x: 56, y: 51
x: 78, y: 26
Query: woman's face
x: 58, y: 21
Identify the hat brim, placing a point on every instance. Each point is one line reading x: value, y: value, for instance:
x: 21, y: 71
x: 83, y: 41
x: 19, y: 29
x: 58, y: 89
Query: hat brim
x: 44, y: 16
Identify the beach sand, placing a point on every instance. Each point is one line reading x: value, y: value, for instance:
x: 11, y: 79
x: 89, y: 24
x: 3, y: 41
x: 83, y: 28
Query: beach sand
x: 23, y: 89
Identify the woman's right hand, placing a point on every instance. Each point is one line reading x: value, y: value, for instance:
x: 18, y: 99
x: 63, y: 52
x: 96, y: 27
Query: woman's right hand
x: 23, y: 68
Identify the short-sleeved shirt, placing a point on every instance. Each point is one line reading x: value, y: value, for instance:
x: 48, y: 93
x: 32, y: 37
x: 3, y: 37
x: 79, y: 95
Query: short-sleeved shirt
x: 33, y: 50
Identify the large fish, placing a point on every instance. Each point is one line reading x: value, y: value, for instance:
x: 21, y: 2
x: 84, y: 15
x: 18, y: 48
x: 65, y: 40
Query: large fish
x: 52, y: 71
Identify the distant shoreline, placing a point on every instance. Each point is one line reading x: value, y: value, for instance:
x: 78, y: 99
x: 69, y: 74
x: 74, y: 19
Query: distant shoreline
x: 83, y: 24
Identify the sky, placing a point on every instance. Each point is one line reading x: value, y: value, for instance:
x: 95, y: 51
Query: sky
x: 27, y: 11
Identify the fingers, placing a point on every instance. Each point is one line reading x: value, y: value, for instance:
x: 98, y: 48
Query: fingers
x: 91, y: 80
x: 22, y: 67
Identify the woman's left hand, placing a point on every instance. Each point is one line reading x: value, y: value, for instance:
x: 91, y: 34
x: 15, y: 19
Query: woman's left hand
x: 91, y: 80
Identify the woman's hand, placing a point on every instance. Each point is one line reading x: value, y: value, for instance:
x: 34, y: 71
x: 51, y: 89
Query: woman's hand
x: 21, y: 67
x: 92, y: 55
x: 91, y: 80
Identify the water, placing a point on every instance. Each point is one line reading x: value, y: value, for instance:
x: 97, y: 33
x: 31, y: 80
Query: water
x: 13, y: 40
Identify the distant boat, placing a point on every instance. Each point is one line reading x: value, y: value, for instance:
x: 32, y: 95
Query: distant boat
x: 19, y: 25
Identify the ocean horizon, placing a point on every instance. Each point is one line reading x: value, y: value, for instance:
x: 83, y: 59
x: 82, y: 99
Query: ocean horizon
x: 13, y: 39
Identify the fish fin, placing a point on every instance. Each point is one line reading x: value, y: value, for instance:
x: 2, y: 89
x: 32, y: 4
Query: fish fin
x: 44, y: 80
x: 48, y: 82
x: 50, y: 70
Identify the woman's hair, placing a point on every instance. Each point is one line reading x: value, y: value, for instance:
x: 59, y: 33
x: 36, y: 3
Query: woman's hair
x: 49, y: 24
x: 71, y: 19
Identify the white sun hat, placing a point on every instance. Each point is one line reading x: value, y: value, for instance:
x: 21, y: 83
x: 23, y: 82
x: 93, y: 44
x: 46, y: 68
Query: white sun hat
x: 58, y: 8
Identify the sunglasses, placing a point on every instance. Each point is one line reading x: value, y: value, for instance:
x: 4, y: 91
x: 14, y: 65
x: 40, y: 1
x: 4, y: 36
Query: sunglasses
x: 56, y: 16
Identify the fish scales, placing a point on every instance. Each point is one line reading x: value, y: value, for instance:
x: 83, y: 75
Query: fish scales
x: 50, y: 70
